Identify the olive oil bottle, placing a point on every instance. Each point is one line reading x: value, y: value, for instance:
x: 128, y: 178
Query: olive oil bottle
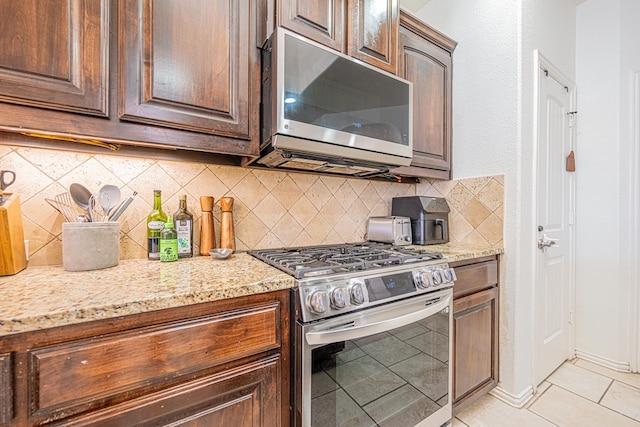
x: 155, y: 223
x: 183, y: 221
x: 169, y: 242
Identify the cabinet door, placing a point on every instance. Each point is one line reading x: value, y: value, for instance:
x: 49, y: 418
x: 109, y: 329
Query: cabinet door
x: 246, y: 396
x: 373, y: 33
x: 425, y: 60
x: 54, y: 54
x: 6, y: 389
x: 190, y: 64
x: 475, y: 349
x: 319, y: 20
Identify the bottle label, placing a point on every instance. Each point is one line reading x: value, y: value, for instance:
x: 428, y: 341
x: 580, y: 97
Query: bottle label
x: 183, y: 228
x: 168, y: 249
x: 153, y: 244
x: 155, y: 225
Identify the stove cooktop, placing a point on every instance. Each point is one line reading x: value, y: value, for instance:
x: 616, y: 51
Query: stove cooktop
x: 311, y: 261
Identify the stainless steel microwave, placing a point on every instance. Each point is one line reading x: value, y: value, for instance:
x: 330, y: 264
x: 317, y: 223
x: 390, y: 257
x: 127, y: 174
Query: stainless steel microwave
x: 323, y: 111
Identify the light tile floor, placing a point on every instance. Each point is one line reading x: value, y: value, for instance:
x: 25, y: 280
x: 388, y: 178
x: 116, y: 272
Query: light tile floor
x: 577, y: 394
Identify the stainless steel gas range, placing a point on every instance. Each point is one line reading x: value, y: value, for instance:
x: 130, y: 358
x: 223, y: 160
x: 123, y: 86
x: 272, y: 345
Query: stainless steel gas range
x: 371, y: 334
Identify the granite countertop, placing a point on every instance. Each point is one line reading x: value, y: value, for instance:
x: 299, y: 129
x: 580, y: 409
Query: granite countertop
x: 49, y: 296
x: 456, y: 252
x: 44, y: 297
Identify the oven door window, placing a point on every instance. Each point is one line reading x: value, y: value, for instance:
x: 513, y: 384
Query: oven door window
x: 395, y: 378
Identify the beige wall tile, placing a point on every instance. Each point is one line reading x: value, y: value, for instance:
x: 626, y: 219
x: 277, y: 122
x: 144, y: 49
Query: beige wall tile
x: 318, y: 228
x: 127, y: 168
x: 230, y: 176
x: 475, y: 184
x: 250, y: 230
x: 459, y: 228
x: 358, y: 185
x: 182, y: 172
x: 492, y: 194
x: 318, y: 194
x: 287, y: 229
x: 344, y: 196
x: 250, y: 190
x: 4, y: 150
x: 272, y: 208
x: 474, y: 239
x: 491, y: 229
x: 287, y: 192
x: 54, y: 164
x: 459, y: 196
x: 475, y: 212
x: 303, y: 211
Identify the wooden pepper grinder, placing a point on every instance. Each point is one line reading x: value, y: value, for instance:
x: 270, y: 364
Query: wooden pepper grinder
x: 207, y: 228
x: 227, y: 236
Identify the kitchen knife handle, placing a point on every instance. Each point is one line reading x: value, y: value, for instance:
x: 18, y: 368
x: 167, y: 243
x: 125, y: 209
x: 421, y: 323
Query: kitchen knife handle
x: 123, y: 206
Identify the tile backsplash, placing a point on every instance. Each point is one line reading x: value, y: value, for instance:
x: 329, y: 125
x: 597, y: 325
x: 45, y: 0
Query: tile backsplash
x: 271, y: 208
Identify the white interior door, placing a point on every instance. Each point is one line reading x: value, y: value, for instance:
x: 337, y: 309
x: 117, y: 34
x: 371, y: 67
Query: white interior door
x: 554, y: 271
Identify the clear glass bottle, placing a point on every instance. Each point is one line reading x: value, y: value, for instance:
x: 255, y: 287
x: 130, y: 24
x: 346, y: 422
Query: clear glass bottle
x: 183, y: 221
x: 155, y: 223
x: 169, y: 242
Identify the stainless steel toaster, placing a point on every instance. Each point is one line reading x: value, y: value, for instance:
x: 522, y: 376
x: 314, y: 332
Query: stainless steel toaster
x: 390, y: 229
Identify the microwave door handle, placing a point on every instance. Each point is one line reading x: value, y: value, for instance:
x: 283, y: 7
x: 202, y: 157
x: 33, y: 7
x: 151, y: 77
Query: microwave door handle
x: 355, y: 332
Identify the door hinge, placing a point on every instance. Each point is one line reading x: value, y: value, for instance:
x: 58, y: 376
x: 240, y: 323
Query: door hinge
x: 572, y: 118
x: 571, y: 218
x: 571, y: 317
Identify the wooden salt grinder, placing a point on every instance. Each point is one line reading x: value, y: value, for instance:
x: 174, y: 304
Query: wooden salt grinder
x: 227, y: 236
x: 207, y: 228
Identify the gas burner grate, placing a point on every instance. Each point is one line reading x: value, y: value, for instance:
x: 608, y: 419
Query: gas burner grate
x: 310, y: 261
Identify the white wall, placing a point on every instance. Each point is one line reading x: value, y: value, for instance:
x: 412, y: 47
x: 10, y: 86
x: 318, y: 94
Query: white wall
x: 607, y: 255
x: 493, y: 133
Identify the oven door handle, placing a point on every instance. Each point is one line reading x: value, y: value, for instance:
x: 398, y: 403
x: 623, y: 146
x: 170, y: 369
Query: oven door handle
x: 355, y: 332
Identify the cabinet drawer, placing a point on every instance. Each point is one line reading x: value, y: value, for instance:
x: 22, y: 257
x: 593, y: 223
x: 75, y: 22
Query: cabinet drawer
x: 243, y: 396
x: 81, y: 372
x: 475, y: 277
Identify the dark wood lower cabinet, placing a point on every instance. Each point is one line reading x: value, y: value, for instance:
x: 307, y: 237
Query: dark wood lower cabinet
x: 475, y: 330
x: 220, y: 363
x: 246, y: 396
x: 6, y: 389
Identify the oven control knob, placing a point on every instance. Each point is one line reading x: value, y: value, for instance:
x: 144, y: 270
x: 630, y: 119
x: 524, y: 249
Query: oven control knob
x: 357, y: 293
x: 317, y: 302
x: 421, y: 279
x: 450, y: 275
x: 339, y: 298
x: 436, y: 276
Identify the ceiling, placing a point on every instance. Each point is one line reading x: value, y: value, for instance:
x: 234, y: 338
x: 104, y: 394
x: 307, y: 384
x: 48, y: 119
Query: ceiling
x: 416, y: 5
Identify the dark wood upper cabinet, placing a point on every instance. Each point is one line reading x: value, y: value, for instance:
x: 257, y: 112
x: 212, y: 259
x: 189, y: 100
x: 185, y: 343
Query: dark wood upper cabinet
x: 363, y: 29
x: 373, y: 33
x: 54, y: 54
x: 189, y: 64
x: 426, y: 60
x: 319, y: 20
x: 160, y: 74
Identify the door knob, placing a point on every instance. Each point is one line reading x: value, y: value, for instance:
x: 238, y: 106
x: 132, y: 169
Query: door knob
x: 546, y: 242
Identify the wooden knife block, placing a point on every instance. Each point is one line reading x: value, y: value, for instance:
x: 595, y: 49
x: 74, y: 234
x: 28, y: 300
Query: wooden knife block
x: 13, y: 258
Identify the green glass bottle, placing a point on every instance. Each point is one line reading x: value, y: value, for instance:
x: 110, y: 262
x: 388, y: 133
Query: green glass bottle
x: 155, y: 223
x: 169, y: 242
x: 183, y: 221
